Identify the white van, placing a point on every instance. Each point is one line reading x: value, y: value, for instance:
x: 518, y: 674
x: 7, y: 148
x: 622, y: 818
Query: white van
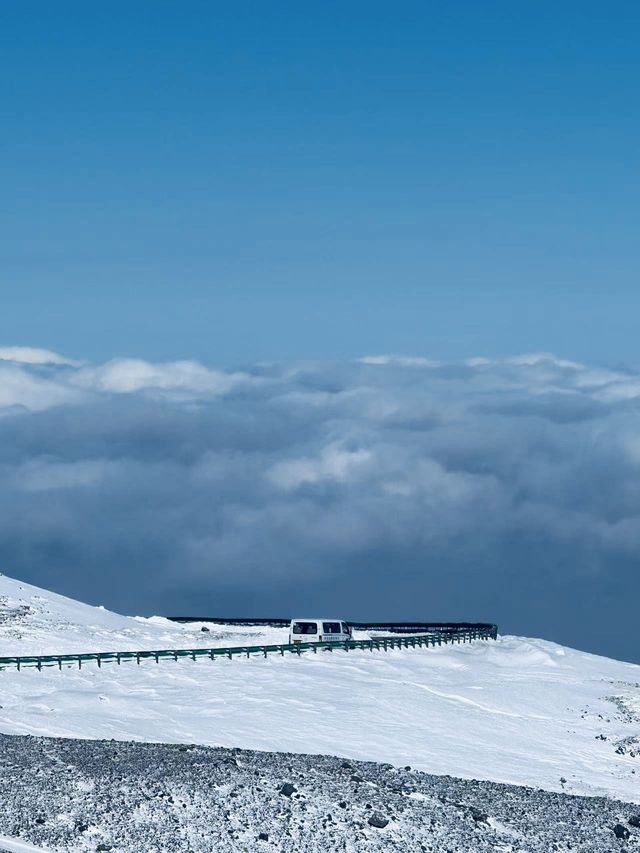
x: 319, y: 631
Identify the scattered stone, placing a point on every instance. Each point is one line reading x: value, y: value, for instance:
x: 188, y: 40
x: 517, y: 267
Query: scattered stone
x: 479, y: 816
x: 147, y: 797
x: 621, y: 831
x: 205, y: 630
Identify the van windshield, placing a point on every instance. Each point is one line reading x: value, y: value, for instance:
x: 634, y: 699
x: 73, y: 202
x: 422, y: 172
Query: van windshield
x: 305, y: 628
x: 330, y: 627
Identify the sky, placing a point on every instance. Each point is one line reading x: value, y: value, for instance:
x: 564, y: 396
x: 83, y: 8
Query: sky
x: 267, y: 276
x: 249, y: 181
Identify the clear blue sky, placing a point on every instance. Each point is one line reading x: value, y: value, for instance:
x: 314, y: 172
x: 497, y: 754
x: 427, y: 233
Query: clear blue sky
x: 245, y: 181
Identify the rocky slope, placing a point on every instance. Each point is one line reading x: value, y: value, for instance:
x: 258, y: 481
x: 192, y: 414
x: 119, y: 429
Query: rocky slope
x: 76, y: 796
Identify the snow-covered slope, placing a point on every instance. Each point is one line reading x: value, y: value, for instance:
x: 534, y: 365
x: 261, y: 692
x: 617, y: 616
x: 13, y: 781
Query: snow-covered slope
x: 517, y: 710
x: 36, y: 621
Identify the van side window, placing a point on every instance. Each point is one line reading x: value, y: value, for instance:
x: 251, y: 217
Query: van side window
x: 305, y: 628
x: 330, y: 627
x: 345, y: 628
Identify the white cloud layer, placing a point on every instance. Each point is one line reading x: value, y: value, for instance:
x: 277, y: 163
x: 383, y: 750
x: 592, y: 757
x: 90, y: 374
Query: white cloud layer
x: 33, y: 355
x: 398, y: 487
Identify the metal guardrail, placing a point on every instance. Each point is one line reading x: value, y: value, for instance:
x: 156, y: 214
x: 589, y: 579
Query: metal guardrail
x: 392, y: 627
x: 460, y: 635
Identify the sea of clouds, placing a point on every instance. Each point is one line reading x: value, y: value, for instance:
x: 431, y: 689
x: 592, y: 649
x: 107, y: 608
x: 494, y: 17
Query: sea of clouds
x: 385, y: 487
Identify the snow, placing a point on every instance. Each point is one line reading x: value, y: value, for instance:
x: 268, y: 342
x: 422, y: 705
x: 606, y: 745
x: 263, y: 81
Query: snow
x: 521, y: 711
x: 36, y: 621
x: 11, y: 845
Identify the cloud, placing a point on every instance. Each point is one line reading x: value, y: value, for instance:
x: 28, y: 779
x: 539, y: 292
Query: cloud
x: 384, y: 487
x: 128, y: 375
x: 33, y: 355
x: 333, y: 463
x: 42, y: 475
x: 403, y: 361
x: 22, y: 388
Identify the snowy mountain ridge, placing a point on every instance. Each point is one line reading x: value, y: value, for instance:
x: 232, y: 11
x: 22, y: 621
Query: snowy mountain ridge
x: 520, y: 711
x: 37, y: 621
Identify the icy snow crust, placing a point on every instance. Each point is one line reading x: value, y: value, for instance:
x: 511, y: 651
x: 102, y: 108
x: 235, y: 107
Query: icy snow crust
x: 525, y: 712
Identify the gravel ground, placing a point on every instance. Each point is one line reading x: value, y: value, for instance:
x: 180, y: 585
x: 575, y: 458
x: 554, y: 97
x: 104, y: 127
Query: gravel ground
x: 73, y: 795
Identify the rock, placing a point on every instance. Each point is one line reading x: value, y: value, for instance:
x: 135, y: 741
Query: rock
x: 634, y: 820
x: 377, y: 820
x: 205, y: 630
x: 288, y: 789
x: 343, y: 805
x: 621, y: 831
x: 479, y: 816
x: 104, y: 847
x: 263, y: 836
